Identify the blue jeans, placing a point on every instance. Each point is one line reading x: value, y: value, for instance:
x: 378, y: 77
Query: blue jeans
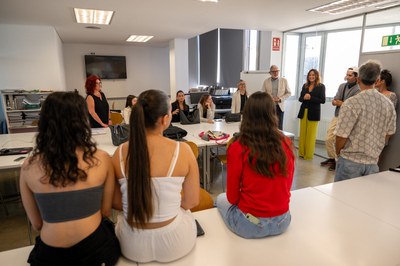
x: 237, y: 222
x: 346, y: 169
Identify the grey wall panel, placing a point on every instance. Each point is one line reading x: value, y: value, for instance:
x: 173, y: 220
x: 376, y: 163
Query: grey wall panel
x: 390, y: 156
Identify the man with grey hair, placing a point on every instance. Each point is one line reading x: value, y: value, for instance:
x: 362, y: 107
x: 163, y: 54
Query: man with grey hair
x: 278, y: 88
x: 365, y: 123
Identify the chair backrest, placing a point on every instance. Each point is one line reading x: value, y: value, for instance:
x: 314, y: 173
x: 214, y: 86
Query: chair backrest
x: 206, y: 201
x: 194, y: 148
x: 116, y: 118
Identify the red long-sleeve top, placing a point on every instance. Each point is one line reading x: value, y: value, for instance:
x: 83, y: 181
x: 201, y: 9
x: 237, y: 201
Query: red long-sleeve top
x: 254, y: 193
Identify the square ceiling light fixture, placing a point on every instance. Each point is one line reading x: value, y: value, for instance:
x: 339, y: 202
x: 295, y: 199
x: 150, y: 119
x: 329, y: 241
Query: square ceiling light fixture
x: 139, y: 38
x: 343, y: 6
x: 93, y: 16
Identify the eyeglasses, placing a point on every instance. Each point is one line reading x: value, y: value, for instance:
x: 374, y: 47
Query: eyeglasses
x: 274, y: 71
x: 99, y: 83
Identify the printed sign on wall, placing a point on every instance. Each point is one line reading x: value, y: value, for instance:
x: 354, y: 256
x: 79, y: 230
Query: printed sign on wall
x: 276, y: 44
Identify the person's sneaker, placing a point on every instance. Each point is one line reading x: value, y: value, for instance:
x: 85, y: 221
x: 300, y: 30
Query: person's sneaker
x: 328, y: 162
x: 332, y: 167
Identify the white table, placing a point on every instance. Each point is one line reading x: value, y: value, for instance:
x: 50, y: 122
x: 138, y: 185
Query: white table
x: 193, y: 135
x: 377, y: 195
x: 102, y: 136
x: 19, y: 140
x: 324, y: 231
x: 220, y: 125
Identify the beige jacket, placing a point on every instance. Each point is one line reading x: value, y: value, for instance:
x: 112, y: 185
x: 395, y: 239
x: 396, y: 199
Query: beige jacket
x: 283, y: 90
x: 235, y: 107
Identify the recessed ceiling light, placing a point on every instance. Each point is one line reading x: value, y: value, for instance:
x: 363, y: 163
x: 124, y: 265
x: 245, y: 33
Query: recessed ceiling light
x: 343, y: 6
x: 93, y: 16
x: 212, y: 1
x: 139, y: 38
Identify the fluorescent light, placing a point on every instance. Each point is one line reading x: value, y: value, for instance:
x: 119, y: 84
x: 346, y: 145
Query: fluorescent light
x: 139, y: 38
x: 93, y: 16
x: 212, y: 1
x: 343, y: 6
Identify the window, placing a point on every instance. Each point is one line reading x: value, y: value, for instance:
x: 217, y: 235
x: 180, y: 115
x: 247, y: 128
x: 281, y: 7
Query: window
x: 342, y: 52
x: 373, y: 38
x: 253, y: 45
x: 379, y: 24
x: 290, y: 61
x: 312, y: 52
x: 250, y: 50
x: 330, y: 48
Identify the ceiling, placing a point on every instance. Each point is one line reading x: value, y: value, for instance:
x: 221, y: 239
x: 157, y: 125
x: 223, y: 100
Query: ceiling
x: 164, y: 19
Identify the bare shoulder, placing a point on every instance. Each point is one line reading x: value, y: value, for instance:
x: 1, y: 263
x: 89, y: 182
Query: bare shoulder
x: 29, y: 164
x: 102, y: 155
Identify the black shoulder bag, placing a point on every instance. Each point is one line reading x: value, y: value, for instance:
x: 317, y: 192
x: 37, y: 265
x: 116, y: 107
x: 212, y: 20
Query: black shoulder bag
x: 119, y: 133
x: 174, y: 132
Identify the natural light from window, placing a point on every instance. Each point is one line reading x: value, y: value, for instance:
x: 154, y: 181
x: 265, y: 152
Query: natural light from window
x: 311, y: 54
x: 253, y: 43
x: 340, y: 55
x: 291, y: 61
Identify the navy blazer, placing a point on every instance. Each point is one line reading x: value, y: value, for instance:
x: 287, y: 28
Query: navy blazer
x: 314, y: 104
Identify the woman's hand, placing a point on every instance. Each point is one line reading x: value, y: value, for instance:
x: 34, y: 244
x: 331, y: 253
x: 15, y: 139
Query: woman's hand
x: 210, y: 121
x: 176, y: 111
x: 307, y: 96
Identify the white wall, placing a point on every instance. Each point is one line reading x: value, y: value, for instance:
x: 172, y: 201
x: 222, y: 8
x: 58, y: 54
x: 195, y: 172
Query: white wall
x: 267, y: 56
x: 30, y: 58
x: 147, y: 68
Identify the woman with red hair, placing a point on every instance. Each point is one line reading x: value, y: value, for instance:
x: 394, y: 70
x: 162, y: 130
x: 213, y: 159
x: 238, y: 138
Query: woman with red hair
x: 97, y: 103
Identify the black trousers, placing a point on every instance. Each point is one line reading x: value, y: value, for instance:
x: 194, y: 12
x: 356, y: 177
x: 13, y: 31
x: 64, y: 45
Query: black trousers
x: 279, y: 113
x: 100, y: 247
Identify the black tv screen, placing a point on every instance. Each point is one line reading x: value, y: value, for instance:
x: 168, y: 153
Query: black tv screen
x: 105, y: 66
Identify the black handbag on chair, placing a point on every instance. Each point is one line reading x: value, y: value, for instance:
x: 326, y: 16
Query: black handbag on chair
x: 192, y: 118
x: 119, y: 133
x: 173, y: 132
x: 230, y: 118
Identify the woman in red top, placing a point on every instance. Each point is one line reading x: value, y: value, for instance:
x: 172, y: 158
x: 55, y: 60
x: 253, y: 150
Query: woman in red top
x: 259, y: 175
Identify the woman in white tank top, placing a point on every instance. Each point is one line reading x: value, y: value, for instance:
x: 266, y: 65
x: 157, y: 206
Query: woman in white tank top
x: 151, y: 170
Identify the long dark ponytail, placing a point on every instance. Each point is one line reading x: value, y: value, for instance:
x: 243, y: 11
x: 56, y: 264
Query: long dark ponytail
x: 151, y: 105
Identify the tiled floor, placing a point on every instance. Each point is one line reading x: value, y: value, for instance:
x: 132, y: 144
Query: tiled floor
x: 14, y: 229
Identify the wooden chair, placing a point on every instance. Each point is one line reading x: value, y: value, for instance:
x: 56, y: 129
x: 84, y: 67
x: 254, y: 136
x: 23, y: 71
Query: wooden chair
x: 116, y: 118
x: 223, y: 161
x: 206, y: 201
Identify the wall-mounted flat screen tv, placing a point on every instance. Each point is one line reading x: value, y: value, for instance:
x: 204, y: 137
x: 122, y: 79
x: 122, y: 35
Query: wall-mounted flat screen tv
x: 105, y: 66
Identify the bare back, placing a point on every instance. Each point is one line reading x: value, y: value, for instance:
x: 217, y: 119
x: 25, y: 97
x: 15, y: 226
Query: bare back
x: 66, y: 234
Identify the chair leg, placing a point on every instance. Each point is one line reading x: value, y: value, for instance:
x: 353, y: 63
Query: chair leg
x: 29, y: 230
x: 3, y: 203
x: 223, y: 177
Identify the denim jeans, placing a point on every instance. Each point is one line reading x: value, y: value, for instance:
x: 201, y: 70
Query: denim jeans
x: 237, y: 222
x: 346, y: 169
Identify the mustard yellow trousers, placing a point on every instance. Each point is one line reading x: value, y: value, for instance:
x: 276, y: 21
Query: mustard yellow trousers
x: 308, y: 135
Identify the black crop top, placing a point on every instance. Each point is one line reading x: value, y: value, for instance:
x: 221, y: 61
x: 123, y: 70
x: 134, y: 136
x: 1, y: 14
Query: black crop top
x: 56, y: 207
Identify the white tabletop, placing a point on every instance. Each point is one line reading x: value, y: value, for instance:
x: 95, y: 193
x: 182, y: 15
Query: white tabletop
x: 18, y: 140
x: 220, y: 125
x: 324, y: 231
x: 15, y: 257
x: 377, y: 195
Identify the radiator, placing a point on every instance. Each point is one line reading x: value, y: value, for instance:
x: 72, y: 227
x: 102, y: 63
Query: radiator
x: 323, y: 126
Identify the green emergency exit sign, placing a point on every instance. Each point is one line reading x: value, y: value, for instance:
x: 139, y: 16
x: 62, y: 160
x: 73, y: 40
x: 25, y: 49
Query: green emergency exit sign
x: 391, y: 40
